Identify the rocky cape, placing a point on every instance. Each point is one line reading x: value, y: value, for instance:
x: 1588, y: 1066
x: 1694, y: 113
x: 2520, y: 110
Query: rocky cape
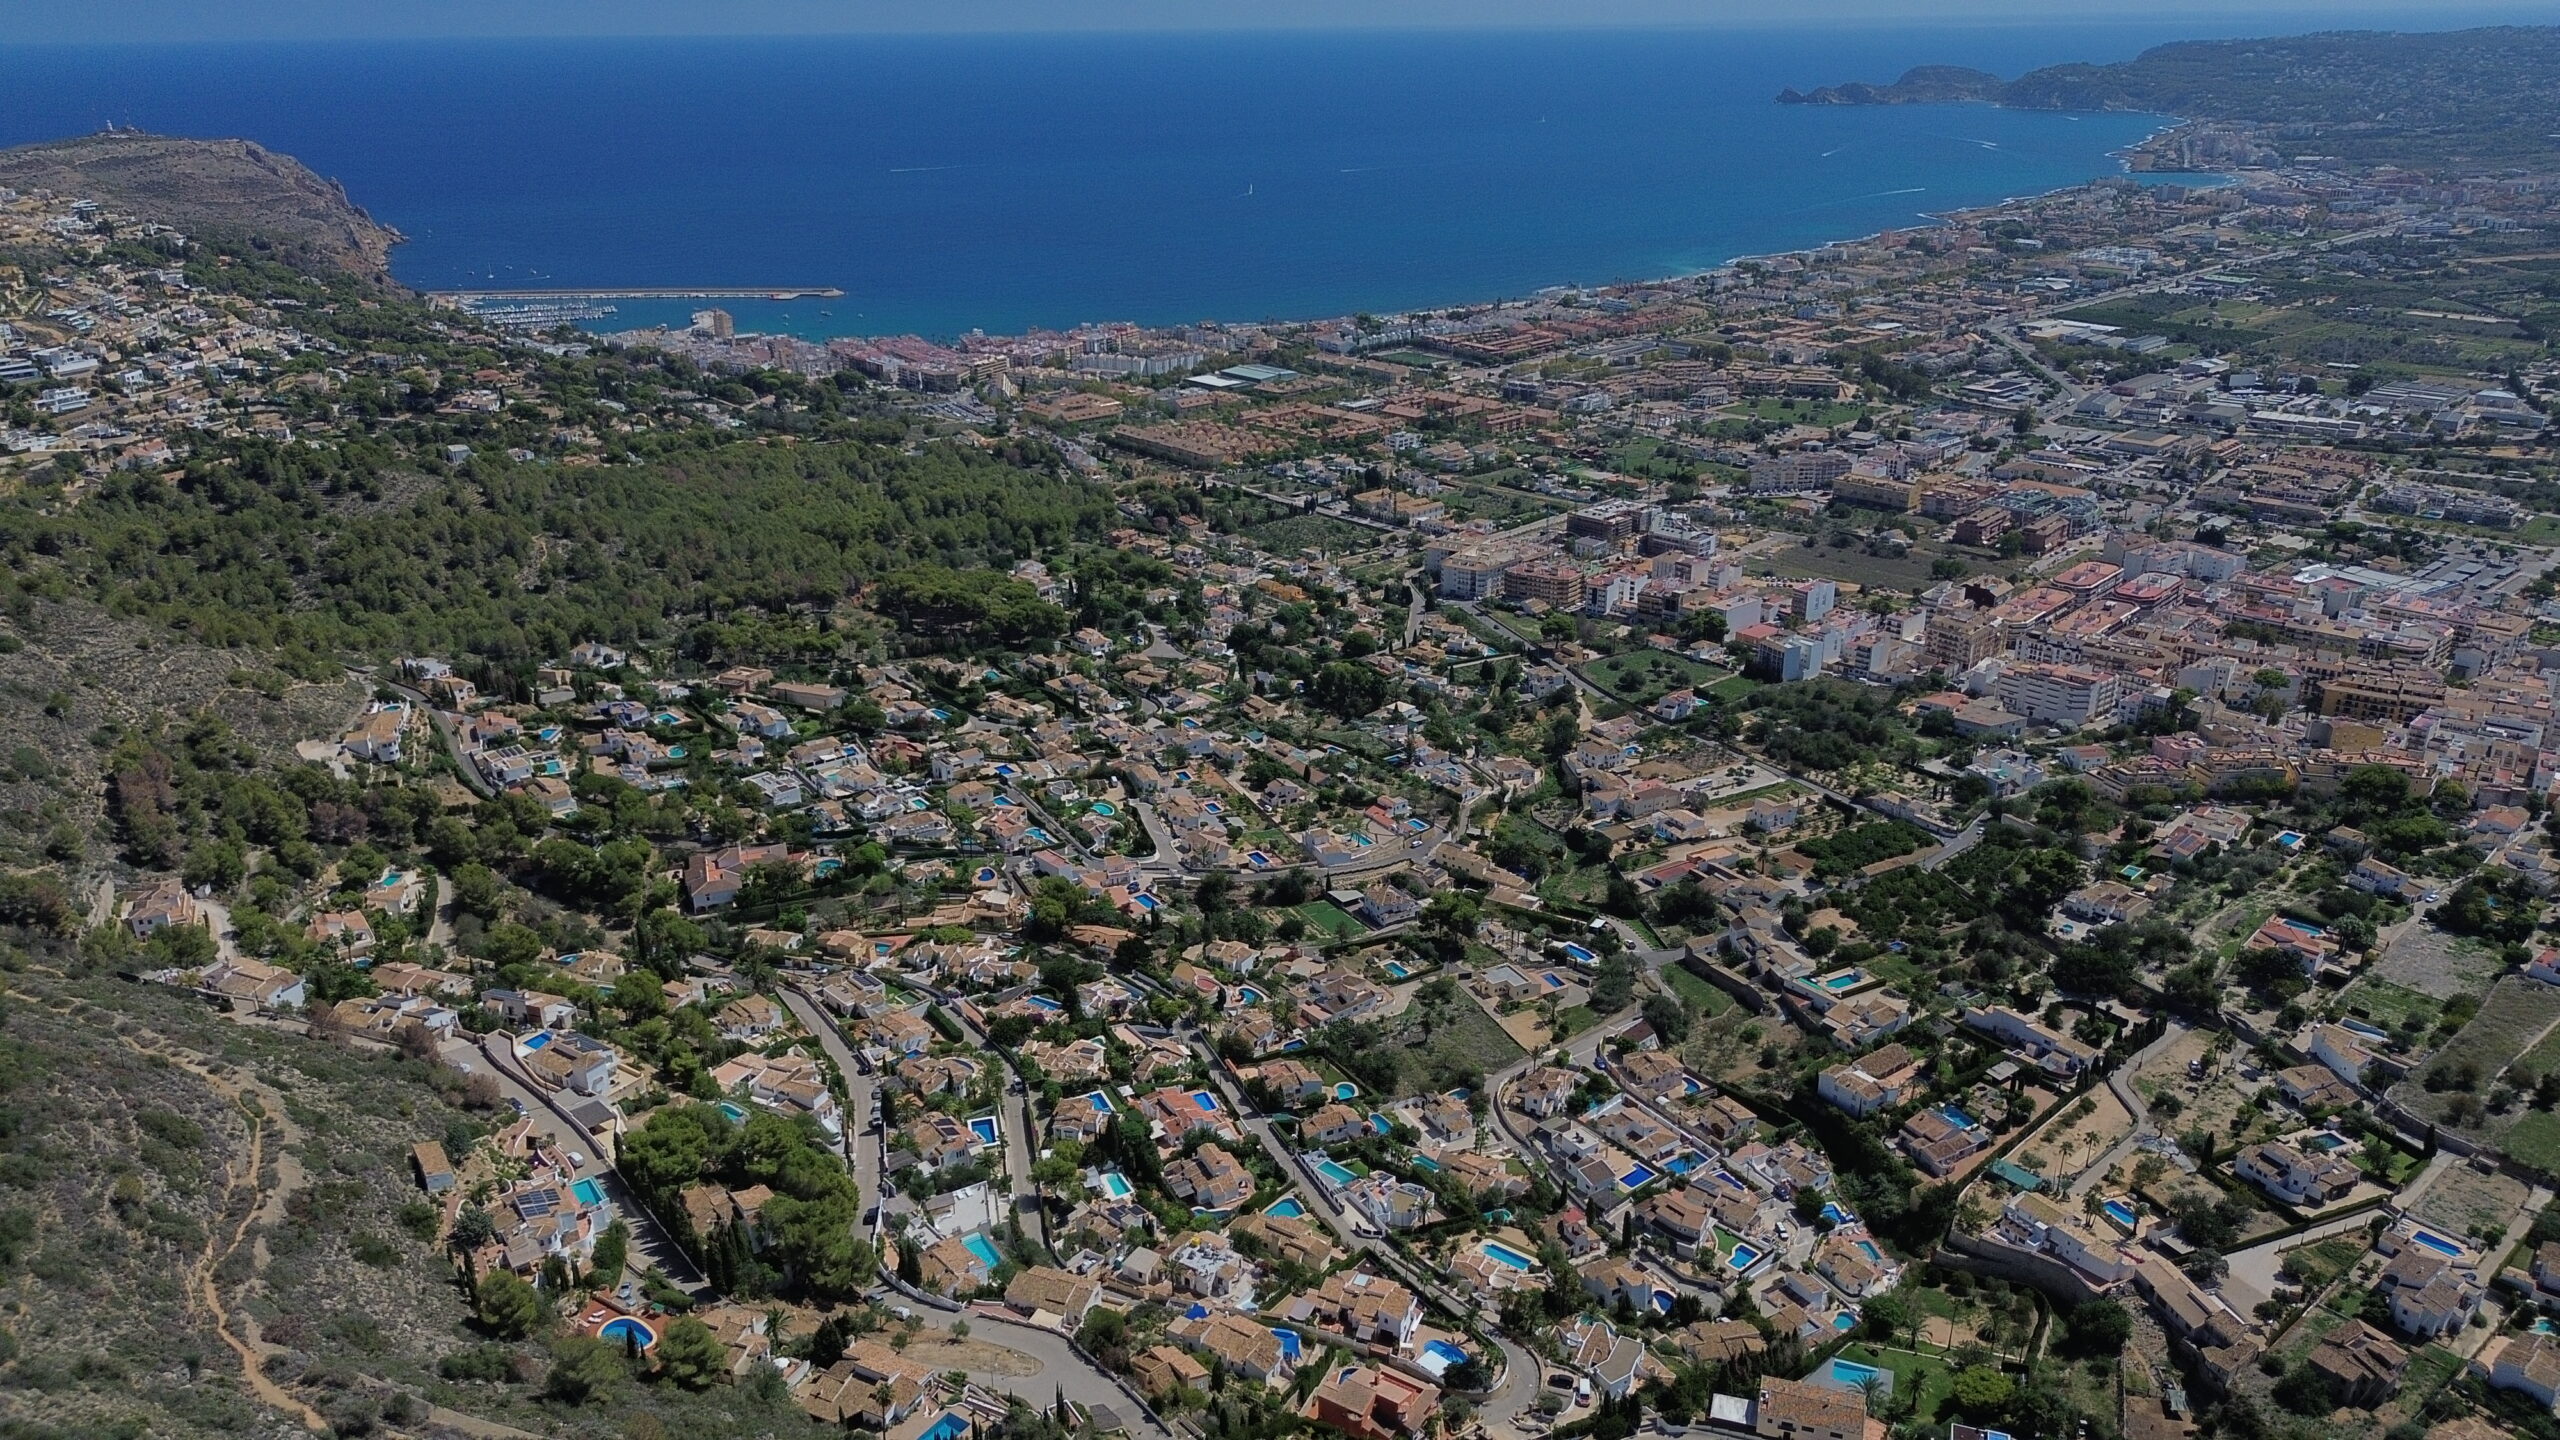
x: 235, y: 187
x: 2471, y: 94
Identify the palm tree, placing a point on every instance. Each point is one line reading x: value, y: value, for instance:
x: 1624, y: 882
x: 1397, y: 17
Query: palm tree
x: 1873, y: 1390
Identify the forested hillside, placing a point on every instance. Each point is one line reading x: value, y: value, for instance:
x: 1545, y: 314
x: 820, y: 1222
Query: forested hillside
x: 265, y: 545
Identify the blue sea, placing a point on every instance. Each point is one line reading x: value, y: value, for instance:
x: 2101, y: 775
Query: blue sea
x: 949, y: 183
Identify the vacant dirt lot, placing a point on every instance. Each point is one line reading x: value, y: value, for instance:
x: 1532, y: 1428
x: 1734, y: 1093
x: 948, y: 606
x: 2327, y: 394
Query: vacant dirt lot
x: 2072, y: 1141
x: 2427, y: 959
x: 2461, y: 1200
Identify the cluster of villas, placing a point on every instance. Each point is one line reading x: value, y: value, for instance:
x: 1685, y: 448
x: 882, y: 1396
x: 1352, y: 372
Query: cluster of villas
x: 1101, y: 762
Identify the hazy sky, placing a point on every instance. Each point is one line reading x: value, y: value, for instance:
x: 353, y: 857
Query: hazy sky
x: 164, y: 20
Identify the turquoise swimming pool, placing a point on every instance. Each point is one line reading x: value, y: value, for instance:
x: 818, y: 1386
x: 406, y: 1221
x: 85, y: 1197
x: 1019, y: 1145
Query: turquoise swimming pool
x: 984, y: 1249
x: 1506, y: 1257
x: 1851, y: 1372
x: 588, y: 1191
x: 1333, y: 1172
x: 625, y: 1328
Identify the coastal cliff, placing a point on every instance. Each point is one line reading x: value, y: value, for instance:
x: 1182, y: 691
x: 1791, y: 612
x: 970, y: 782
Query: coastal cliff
x: 1920, y: 85
x: 232, y: 186
x: 2474, y: 94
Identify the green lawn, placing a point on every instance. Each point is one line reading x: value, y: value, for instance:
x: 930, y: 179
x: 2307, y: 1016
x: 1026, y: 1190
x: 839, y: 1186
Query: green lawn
x: 2385, y: 1004
x: 1328, y: 919
x: 1574, y: 1020
x: 1641, y: 677
x: 1925, y: 1378
x: 1703, y: 997
x: 1734, y: 687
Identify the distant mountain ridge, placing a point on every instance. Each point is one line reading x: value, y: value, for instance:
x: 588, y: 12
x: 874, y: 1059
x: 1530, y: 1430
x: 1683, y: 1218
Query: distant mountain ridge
x: 235, y: 186
x: 2492, y: 93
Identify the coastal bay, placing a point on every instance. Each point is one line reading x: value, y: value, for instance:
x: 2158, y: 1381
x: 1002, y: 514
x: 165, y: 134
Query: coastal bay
x: 951, y: 184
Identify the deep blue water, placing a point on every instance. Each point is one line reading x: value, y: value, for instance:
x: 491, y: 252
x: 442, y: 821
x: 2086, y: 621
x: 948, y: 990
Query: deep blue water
x: 947, y: 183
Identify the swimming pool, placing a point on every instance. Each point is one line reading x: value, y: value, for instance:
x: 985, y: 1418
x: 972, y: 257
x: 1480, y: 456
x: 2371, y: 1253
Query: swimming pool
x: 1438, y: 1355
x: 1744, y: 1257
x: 1852, y: 1374
x: 951, y: 1426
x: 588, y: 1191
x: 1333, y: 1172
x: 1580, y: 955
x: 985, y: 1250
x: 1426, y: 1162
x: 1637, y: 1178
x: 1248, y: 995
x: 537, y: 1040
x: 1844, y: 1321
x: 1396, y: 970
x: 1832, y: 1212
x: 626, y: 1328
x: 1345, y: 1090
x: 1257, y: 859
x: 1868, y: 1249
x: 1101, y: 1103
x: 1116, y: 1185
x: 1043, y: 1002
x: 1148, y: 903
x: 827, y: 865
x: 1288, y: 1207
x: 1956, y: 1117
x: 984, y: 1127
x: 2429, y: 1240
x: 1105, y: 809
x: 1291, y: 1347
x: 1205, y: 1101
x: 1729, y: 1178
x: 1506, y: 1257
x: 2120, y: 1212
